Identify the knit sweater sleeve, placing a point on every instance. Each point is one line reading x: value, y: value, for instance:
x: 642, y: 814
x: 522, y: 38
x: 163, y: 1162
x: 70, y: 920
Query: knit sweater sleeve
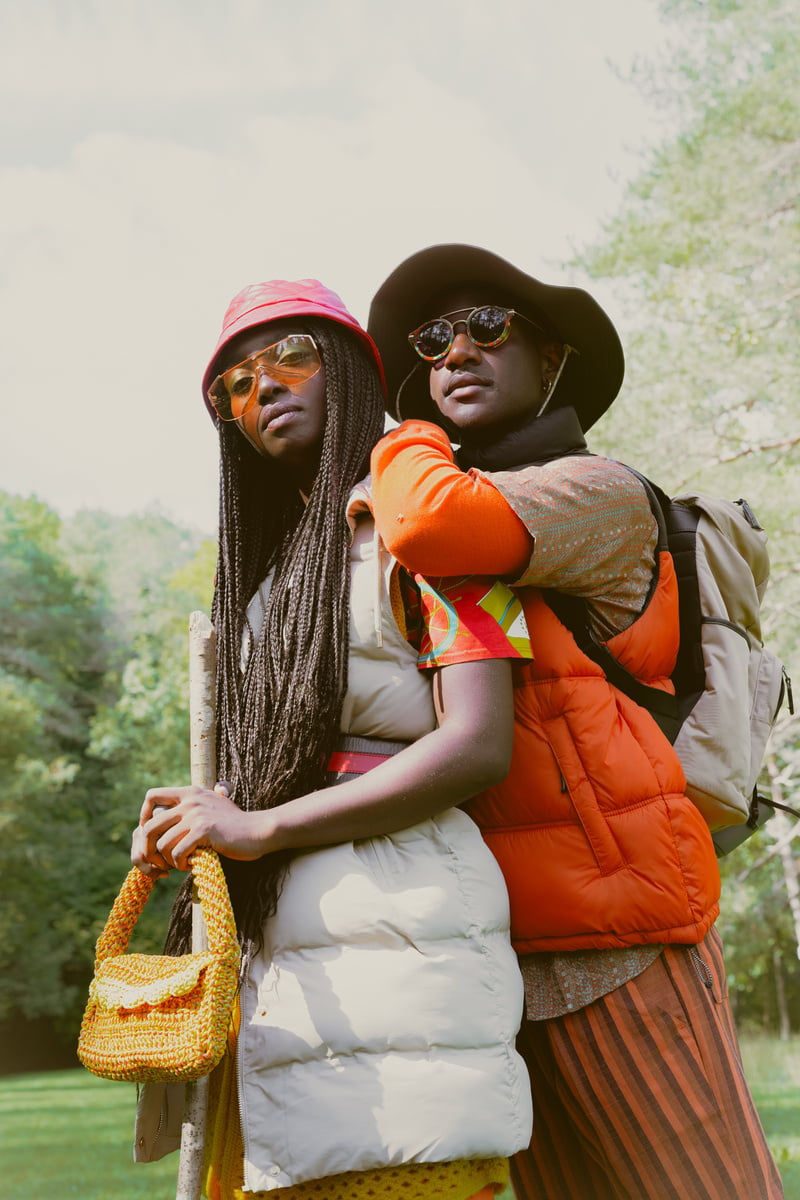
x: 437, y: 519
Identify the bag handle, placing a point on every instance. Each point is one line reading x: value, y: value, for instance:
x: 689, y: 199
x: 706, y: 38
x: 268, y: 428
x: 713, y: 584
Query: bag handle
x: 212, y: 888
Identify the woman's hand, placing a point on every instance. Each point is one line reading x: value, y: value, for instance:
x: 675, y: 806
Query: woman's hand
x: 175, y: 821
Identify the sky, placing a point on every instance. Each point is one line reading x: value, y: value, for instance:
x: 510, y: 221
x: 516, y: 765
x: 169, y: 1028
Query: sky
x: 158, y: 155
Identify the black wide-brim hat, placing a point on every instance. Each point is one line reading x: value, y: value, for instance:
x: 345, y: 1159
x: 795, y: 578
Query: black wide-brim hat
x: 591, y: 378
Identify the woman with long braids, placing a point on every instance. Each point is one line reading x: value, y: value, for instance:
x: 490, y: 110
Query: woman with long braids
x: 372, y: 1051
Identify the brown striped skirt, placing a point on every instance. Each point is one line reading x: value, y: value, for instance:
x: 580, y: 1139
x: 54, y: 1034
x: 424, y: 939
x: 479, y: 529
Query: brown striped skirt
x: 641, y: 1095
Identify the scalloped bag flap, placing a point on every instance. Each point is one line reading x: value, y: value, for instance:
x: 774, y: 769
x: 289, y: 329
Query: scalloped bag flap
x: 141, y: 981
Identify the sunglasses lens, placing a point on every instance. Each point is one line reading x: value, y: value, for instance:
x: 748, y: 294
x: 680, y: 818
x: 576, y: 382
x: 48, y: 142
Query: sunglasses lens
x: 292, y: 360
x: 234, y: 392
x: 225, y: 405
x: 488, y: 325
x: 434, y: 339
x: 289, y: 361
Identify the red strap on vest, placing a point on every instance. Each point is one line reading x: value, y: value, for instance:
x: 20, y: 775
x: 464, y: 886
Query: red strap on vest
x: 352, y: 762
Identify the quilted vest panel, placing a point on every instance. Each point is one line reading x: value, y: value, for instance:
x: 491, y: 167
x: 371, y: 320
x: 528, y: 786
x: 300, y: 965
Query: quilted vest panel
x: 598, y: 842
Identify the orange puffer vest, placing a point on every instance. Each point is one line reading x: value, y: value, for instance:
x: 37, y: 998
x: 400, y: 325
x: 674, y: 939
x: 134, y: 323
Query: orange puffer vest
x: 599, y: 845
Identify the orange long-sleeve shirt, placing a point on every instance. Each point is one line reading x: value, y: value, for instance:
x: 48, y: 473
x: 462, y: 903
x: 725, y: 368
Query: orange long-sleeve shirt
x: 434, y: 517
x: 579, y: 524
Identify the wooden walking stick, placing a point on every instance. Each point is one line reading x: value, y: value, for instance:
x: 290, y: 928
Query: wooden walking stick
x: 202, y: 726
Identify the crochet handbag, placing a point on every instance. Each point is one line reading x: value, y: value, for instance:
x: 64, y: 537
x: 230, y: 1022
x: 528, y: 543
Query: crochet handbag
x: 159, y: 1017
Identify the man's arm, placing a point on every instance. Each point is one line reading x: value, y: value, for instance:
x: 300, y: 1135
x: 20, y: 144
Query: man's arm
x: 436, y: 518
x: 588, y: 517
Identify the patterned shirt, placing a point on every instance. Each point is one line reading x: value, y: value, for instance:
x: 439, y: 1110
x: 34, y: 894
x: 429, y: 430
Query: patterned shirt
x: 461, y: 620
x: 594, y: 534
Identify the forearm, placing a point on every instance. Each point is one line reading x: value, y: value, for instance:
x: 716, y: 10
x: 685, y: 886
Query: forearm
x: 468, y: 751
x: 436, y: 518
x: 437, y: 772
x: 424, y: 779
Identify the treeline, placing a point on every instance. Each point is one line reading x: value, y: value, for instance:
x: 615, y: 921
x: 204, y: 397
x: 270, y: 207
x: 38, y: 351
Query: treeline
x: 93, y: 710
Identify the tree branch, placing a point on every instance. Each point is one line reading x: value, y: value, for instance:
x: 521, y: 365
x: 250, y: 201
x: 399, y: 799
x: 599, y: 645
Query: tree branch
x: 762, y: 448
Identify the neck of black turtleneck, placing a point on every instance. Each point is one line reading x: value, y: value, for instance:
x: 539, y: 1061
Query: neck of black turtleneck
x: 540, y: 440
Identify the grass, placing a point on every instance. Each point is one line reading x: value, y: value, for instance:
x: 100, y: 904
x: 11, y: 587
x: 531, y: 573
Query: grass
x: 772, y: 1068
x: 65, y: 1133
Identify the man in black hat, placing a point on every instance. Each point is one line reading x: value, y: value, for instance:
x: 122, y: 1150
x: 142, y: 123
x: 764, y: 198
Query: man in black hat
x: 613, y: 884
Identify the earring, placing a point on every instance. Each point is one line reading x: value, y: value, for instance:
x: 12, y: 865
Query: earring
x: 546, y: 386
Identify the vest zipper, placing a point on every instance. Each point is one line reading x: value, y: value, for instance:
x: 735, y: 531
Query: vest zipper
x: 238, y: 1061
x: 377, y: 546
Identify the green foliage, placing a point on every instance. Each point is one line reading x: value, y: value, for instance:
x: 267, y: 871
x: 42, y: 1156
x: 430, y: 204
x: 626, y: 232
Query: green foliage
x: 52, y: 664
x: 706, y: 255
x: 93, y: 710
x: 18, y: 730
x: 143, y: 736
x: 131, y: 561
x: 772, y: 1069
x: 37, y: 847
x: 759, y: 935
x: 50, y: 621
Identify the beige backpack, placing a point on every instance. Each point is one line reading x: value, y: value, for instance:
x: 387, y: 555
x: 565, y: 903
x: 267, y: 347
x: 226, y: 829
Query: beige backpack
x: 733, y: 687
x: 729, y: 687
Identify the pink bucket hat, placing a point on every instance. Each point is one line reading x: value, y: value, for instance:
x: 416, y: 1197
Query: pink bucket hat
x: 279, y: 298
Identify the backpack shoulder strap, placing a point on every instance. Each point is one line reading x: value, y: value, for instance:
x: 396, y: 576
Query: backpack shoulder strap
x: 573, y: 612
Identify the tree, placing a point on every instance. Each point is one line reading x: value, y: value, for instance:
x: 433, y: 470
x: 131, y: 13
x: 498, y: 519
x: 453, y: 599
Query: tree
x: 142, y: 739
x: 707, y: 248
x: 54, y: 627
x: 52, y: 668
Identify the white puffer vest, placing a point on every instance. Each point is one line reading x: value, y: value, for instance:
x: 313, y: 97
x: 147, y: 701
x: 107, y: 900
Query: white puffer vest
x: 378, y: 1023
